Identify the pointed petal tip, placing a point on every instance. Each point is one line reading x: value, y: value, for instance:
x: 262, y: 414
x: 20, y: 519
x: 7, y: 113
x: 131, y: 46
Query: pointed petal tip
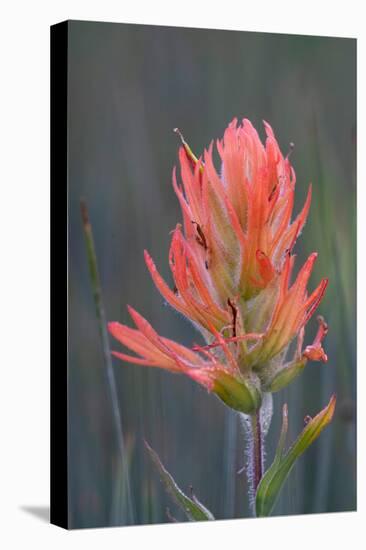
x: 132, y: 311
x: 308, y: 266
x: 268, y: 129
x: 332, y: 405
x: 150, y: 264
x: 323, y: 285
x: 209, y: 150
x: 113, y: 327
x: 328, y: 412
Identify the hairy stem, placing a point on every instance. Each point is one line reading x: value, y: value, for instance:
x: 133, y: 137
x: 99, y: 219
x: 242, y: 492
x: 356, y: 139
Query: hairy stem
x: 257, y: 450
x: 256, y: 427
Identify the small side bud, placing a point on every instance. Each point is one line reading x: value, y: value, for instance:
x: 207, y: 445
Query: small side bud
x: 315, y: 352
x: 285, y: 375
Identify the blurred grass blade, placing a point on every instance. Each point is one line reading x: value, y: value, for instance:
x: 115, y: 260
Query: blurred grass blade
x: 126, y: 510
x: 192, y: 507
x: 273, y: 480
x: 120, y: 491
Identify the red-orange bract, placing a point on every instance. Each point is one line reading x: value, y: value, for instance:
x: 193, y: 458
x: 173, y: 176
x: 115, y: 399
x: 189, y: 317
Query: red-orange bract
x: 232, y: 266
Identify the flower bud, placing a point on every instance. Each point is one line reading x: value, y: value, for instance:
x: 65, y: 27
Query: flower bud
x: 238, y: 393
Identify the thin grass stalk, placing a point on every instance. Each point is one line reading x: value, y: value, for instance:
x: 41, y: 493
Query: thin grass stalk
x: 111, y: 381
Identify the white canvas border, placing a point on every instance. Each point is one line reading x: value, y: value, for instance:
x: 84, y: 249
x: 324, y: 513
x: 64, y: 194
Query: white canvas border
x: 25, y: 323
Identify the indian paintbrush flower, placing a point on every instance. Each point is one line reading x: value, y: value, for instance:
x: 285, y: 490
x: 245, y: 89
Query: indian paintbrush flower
x: 232, y: 266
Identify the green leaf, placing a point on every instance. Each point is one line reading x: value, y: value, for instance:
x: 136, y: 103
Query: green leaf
x: 192, y: 507
x: 273, y: 480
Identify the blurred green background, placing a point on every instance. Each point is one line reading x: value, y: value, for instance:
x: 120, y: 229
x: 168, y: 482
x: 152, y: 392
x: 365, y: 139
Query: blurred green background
x: 129, y: 86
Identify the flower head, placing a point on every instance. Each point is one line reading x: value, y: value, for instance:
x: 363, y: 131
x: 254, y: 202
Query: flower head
x: 232, y: 263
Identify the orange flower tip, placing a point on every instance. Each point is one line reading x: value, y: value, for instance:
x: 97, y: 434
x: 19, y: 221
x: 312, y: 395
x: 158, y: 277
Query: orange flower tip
x: 315, y: 353
x: 311, y: 261
x: 148, y: 258
x: 313, y: 256
x: 133, y: 313
x: 113, y: 326
x: 150, y: 264
x: 323, y: 286
x: 268, y: 129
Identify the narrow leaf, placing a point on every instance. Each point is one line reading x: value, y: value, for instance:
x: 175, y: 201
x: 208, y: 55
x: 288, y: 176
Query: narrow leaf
x: 273, y: 480
x: 192, y: 507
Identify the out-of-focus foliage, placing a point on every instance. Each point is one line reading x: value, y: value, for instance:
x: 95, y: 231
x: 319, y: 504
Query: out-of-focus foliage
x: 129, y: 86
